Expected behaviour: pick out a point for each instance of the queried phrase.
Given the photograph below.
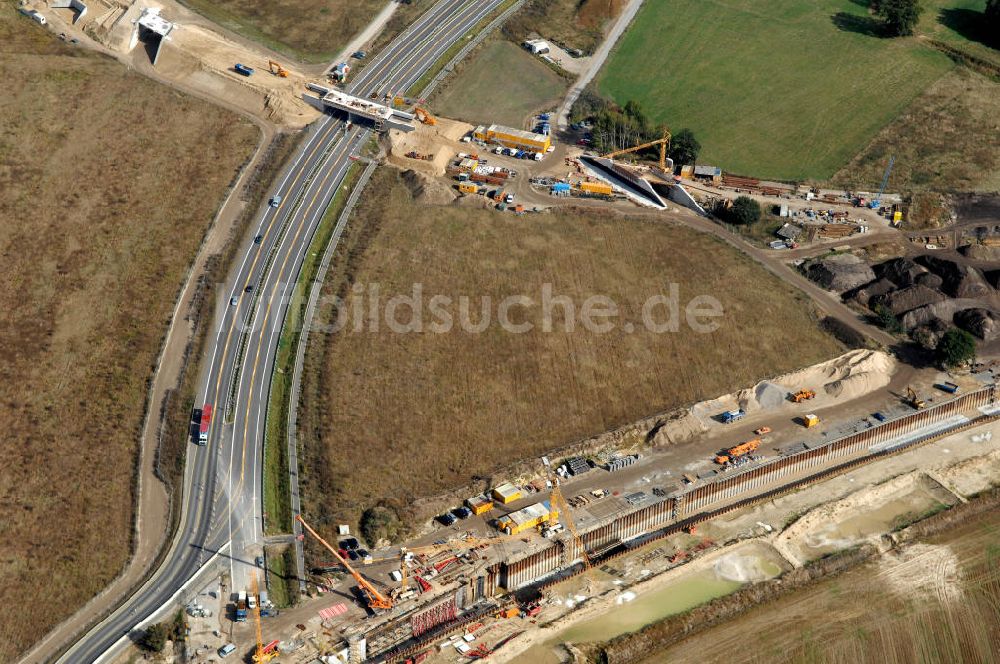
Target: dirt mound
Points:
(959, 280)
(907, 299)
(900, 271)
(866, 294)
(439, 143)
(839, 273)
(769, 395)
(978, 321)
(980, 252)
(427, 191)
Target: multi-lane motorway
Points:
(221, 512)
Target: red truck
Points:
(206, 422)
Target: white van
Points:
(227, 650)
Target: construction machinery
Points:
(913, 400)
(558, 503)
(663, 142)
(877, 201)
(277, 69)
(803, 395)
(810, 420)
(762, 431)
(424, 116)
(738, 451)
(263, 653)
(376, 600)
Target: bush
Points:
(378, 523)
(956, 347)
(887, 320)
(744, 211)
(899, 17)
(155, 637)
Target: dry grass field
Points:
(572, 23)
(474, 96)
(305, 29)
(947, 140)
(96, 245)
(390, 416)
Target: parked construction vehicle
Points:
(376, 600)
(277, 69)
(762, 431)
(913, 400)
(803, 395)
(738, 451)
(424, 116)
(810, 420)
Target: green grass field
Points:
(477, 95)
(785, 89)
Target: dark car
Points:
(879, 416)
(350, 543)
(258, 239)
(363, 554)
(447, 519)
(462, 512)
(359, 55)
(352, 554)
(249, 288)
(259, 561)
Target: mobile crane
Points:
(263, 653)
(376, 600)
(663, 142)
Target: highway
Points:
(221, 511)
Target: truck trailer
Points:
(206, 423)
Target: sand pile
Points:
(441, 142)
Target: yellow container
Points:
(810, 420)
(596, 187)
(468, 187)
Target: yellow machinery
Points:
(558, 504)
(277, 69)
(809, 421)
(912, 399)
(376, 600)
(262, 654)
(803, 395)
(663, 142)
(424, 116)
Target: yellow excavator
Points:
(913, 401)
(424, 116)
(277, 69)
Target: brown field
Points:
(305, 29)
(946, 140)
(390, 416)
(571, 23)
(858, 617)
(96, 245)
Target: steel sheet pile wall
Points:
(855, 445)
(434, 616)
(853, 449)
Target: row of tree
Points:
(620, 127)
(900, 17)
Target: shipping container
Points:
(479, 504)
(468, 187)
(506, 493)
(596, 188)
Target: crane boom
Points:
(663, 142)
(877, 201)
(376, 600)
(560, 506)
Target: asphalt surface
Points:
(221, 512)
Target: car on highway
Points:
(275, 200)
(234, 300)
(248, 289)
(258, 239)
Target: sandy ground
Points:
(197, 57)
(441, 141)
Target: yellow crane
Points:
(663, 142)
(262, 654)
(376, 600)
(559, 506)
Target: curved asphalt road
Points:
(222, 493)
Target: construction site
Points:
(605, 522)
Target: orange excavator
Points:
(803, 395)
(277, 69)
(734, 453)
(376, 600)
(424, 116)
